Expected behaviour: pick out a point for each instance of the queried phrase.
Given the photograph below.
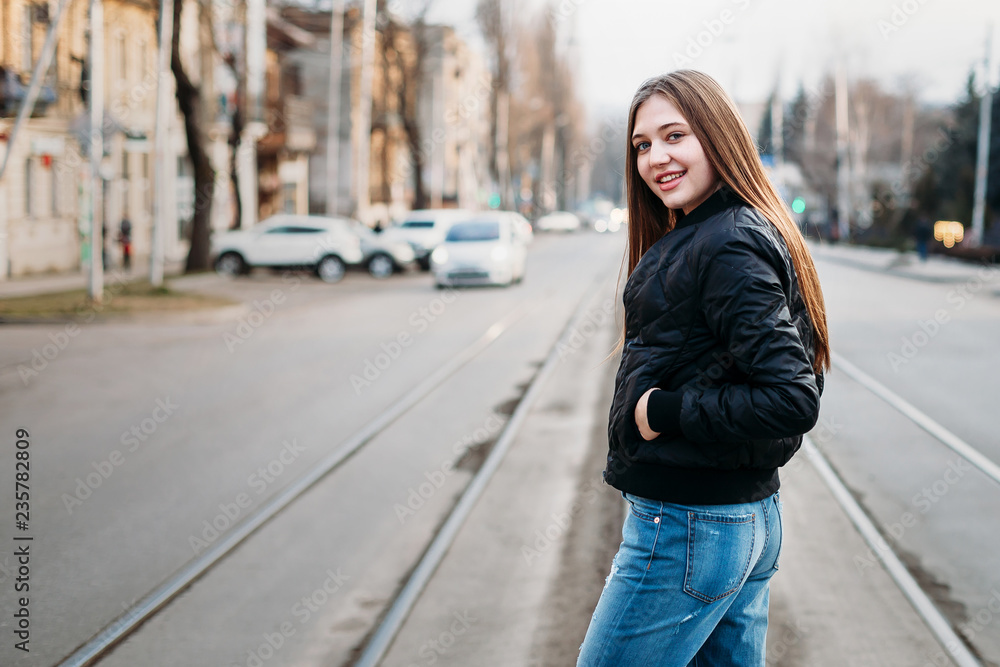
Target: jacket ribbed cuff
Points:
(663, 412)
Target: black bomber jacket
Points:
(715, 320)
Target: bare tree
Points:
(234, 61)
(497, 28)
(409, 74)
(194, 108)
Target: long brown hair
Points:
(730, 150)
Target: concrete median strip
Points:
(397, 615)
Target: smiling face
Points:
(670, 158)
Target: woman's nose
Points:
(659, 153)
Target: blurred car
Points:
(382, 255)
(424, 229)
(490, 249)
(323, 245)
(558, 221)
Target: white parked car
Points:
(382, 255)
(425, 229)
(558, 221)
(284, 241)
(490, 249)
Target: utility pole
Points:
(843, 168)
(982, 147)
(95, 287)
(777, 135)
(255, 43)
(364, 130)
(164, 97)
(333, 104)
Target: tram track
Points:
(147, 607)
(126, 624)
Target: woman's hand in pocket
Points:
(641, 418)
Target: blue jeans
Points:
(688, 587)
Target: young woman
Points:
(724, 347)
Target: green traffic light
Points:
(798, 205)
(494, 201)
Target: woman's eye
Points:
(674, 136)
(641, 146)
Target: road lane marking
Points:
(964, 449)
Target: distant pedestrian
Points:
(104, 245)
(922, 233)
(723, 352)
(125, 238)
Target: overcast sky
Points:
(745, 43)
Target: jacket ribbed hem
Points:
(691, 486)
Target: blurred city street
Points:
(309, 314)
(154, 437)
(244, 419)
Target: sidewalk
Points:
(63, 282)
(936, 269)
(519, 583)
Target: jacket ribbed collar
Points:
(718, 201)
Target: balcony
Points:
(13, 92)
(289, 125)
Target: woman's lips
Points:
(672, 183)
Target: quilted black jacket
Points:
(714, 318)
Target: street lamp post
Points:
(95, 287)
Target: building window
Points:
(126, 185)
(55, 183)
(28, 187)
(147, 185)
(122, 59)
(143, 60)
(27, 28)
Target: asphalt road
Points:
(150, 438)
(936, 346)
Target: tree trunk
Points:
(409, 101)
(190, 101)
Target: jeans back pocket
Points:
(720, 547)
